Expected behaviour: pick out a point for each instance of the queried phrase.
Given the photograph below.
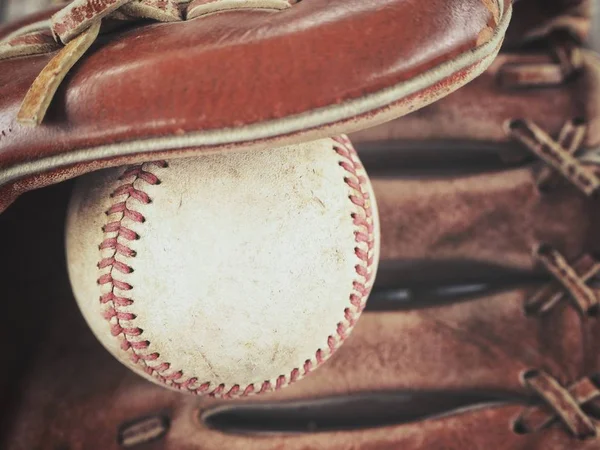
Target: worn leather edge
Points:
(364, 112)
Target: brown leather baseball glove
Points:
(482, 331)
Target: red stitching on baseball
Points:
(117, 237)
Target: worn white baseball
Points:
(225, 274)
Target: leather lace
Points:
(560, 403)
(74, 29)
(572, 280)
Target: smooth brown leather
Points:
(478, 116)
(235, 70)
(439, 358)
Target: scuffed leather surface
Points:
(478, 116)
(438, 359)
(426, 353)
(237, 69)
(445, 341)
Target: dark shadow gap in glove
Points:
(352, 412)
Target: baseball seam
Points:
(117, 298)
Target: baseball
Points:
(226, 274)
